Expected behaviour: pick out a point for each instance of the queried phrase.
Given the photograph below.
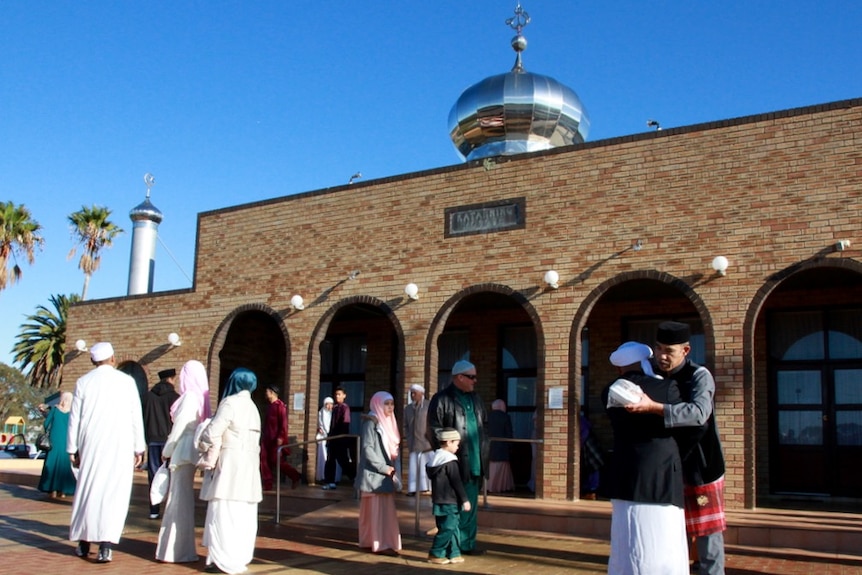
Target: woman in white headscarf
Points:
(324, 419)
(378, 477)
(177, 533)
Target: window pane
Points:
(351, 354)
(519, 348)
(848, 386)
(326, 357)
(800, 428)
(522, 424)
(451, 347)
(848, 430)
(521, 391)
(796, 335)
(845, 334)
(799, 388)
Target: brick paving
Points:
(317, 535)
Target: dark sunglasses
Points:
(472, 376)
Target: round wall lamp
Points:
(81, 345)
(174, 339)
(552, 278)
(412, 291)
(297, 303)
(719, 264)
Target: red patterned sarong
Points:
(704, 509)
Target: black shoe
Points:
(83, 549)
(212, 568)
(105, 555)
(474, 551)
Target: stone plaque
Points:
(486, 218)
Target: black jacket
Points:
(446, 411)
(446, 485)
(157, 411)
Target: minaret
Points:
(145, 219)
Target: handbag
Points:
(161, 481)
(43, 442)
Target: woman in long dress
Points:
(231, 443)
(377, 477)
(324, 419)
(177, 533)
(500, 477)
(57, 474)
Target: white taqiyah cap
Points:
(417, 387)
(101, 351)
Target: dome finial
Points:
(519, 43)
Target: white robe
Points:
(106, 429)
(647, 539)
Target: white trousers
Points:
(416, 472)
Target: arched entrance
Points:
(626, 308)
(254, 338)
(498, 330)
(808, 390)
(359, 346)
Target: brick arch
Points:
(432, 357)
(319, 333)
(578, 323)
(754, 310)
(442, 316)
(220, 335)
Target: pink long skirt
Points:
(500, 477)
(378, 522)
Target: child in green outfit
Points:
(449, 498)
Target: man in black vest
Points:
(648, 532)
(157, 423)
(703, 469)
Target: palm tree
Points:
(93, 231)
(41, 344)
(18, 237)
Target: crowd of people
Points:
(665, 478)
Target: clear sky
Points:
(229, 102)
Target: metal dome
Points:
(146, 211)
(516, 112)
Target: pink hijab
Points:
(387, 423)
(194, 382)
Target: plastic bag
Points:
(161, 482)
(624, 392)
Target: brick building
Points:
(631, 226)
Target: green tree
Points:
(41, 344)
(92, 231)
(19, 399)
(19, 238)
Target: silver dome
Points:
(146, 211)
(516, 112)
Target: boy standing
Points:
(449, 498)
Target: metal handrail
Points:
(298, 444)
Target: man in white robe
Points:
(106, 442)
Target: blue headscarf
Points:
(241, 379)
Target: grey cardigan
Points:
(373, 460)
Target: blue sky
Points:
(228, 102)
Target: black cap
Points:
(673, 332)
(166, 373)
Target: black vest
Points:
(705, 463)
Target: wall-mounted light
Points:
(81, 345)
(637, 245)
(297, 303)
(842, 245)
(353, 275)
(174, 339)
(412, 291)
(552, 278)
(719, 264)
